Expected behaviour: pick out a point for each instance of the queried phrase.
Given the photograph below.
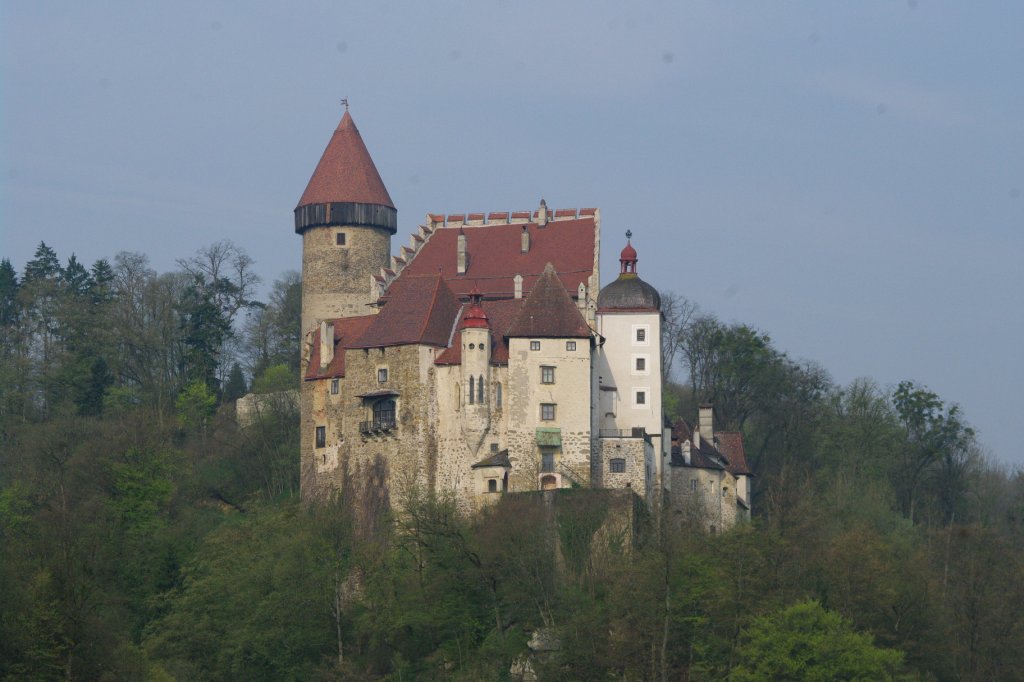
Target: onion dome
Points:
(628, 292)
(475, 317)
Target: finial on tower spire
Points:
(629, 234)
(344, 101)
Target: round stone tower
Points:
(346, 219)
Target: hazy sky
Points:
(847, 177)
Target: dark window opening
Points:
(472, 395)
(321, 436)
(617, 466)
(570, 345)
(480, 390)
(547, 375)
(547, 462)
(641, 335)
(492, 485)
(334, 387)
(382, 374)
(641, 398)
(641, 364)
(534, 345)
(340, 239)
(547, 411)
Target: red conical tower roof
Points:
(346, 173)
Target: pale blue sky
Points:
(845, 176)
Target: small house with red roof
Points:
(482, 358)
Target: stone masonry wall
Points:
(336, 280)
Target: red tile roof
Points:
(420, 310)
(549, 312)
(500, 314)
(345, 330)
(346, 173)
(730, 444)
(495, 257)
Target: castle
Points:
(486, 358)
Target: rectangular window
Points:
(547, 375)
(492, 485)
(321, 436)
(547, 411)
(534, 345)
(617, 465)
(641, 364)
(693, 485)
(570, 345)
(340, 237)
(641, 397)
(547, 462)
(382, 374)
(334, 387)
(641, 335)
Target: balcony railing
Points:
(376, 426)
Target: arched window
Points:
(497, 395)
(384, 413)
(480, 390)
(471, 386)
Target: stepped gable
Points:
(730, 444)
(500, 314)
(346, 329)
(346, 172)
(549, 312)
(420, 310)
(495, 256)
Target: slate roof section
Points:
(499, 459)
(549, 312)
(495, 256)
(500, 314)
(346, 173)
(346, 329)
(421, 310)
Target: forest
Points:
(145, 536)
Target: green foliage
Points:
(235, 387)
(195, 405)
(276, 378)
(808, 642)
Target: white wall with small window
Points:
(641, 364)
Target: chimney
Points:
(524, 241)
(518, 282)
(706, 422)
(686, 452)
(326, 344)
(581, 296)
(462, 252)
(542, 214)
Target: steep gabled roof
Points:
(549, 312)
(346, 173)
(495, 256)
(346, 329)
(421, 310)
(730, 444)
